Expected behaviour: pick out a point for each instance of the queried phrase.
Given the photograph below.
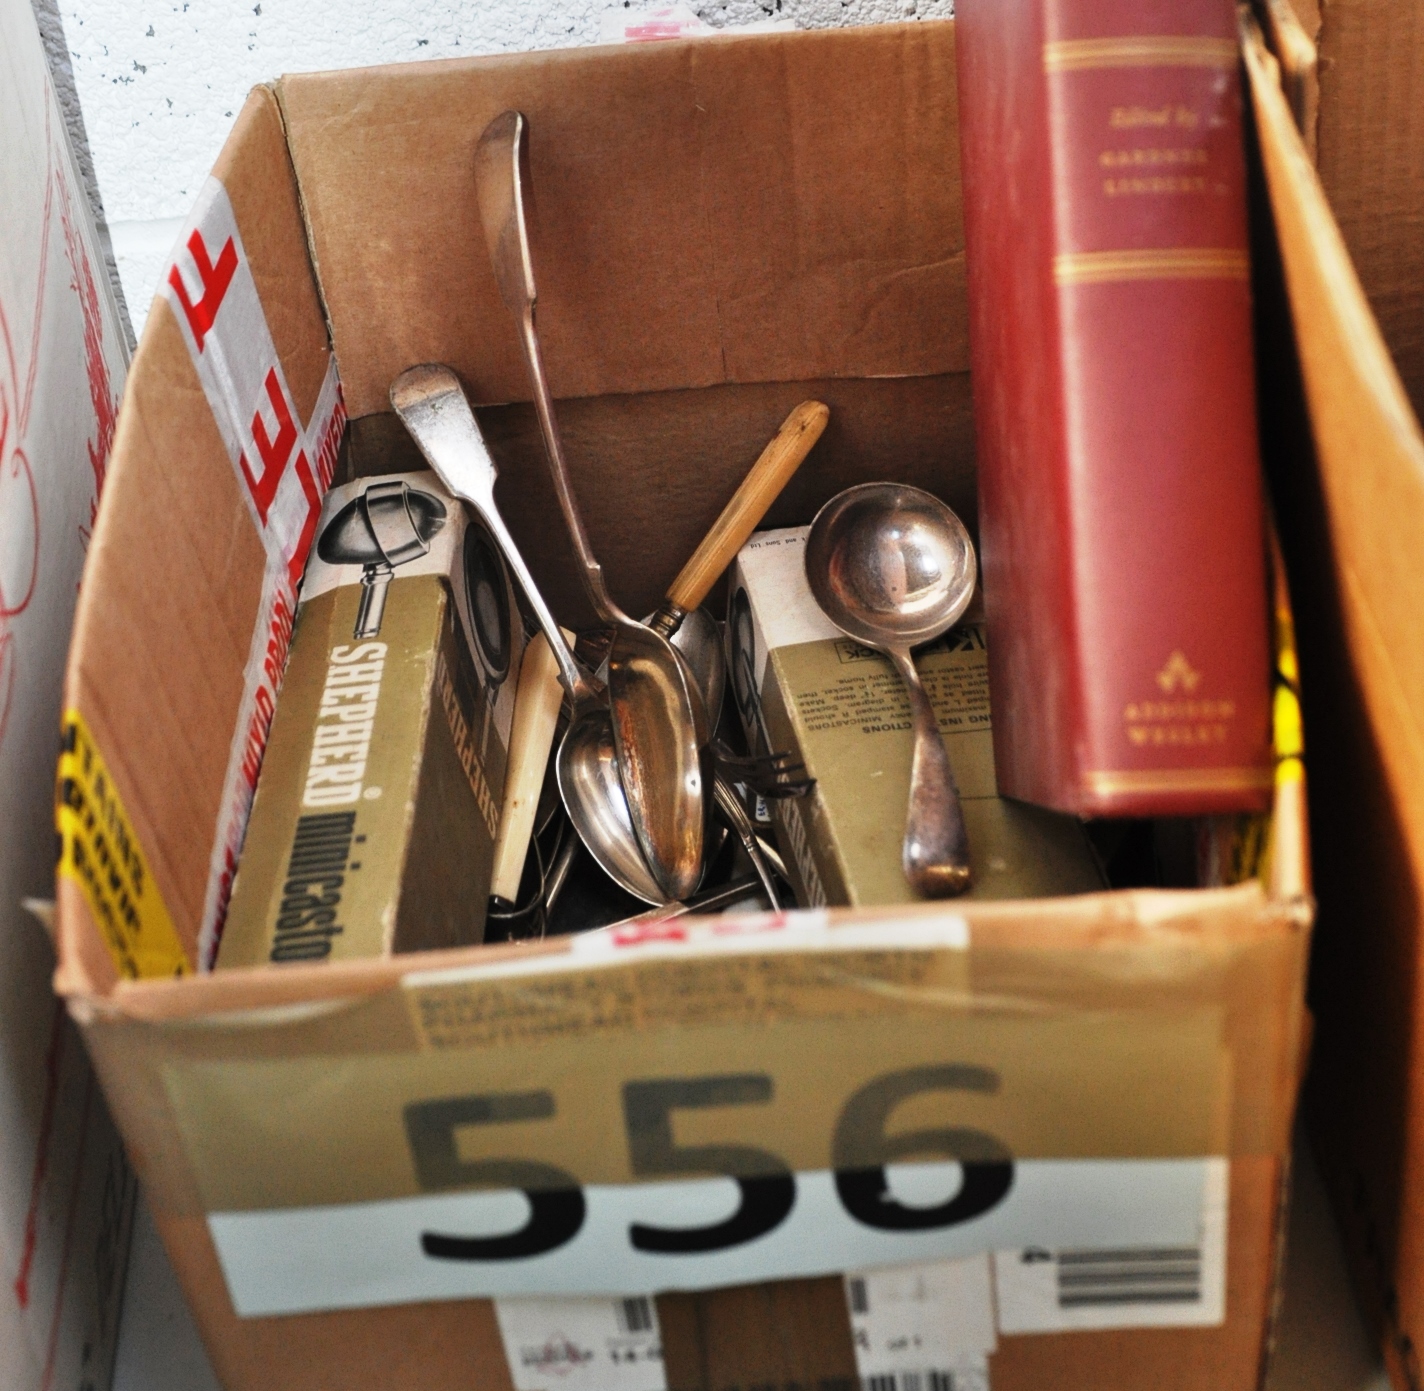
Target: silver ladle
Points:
(660, 726)
(432, 404)
(892, 567)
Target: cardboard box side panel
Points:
(171, 585)
(256, 170)
(784, 210)
(175, 570)
(1351, 505)
(1371, 161)
(652, 471)
(450, 1346)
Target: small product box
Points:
(803, 687)
(376, 814)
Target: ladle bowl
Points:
(892, 567)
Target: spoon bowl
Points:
(892, 567)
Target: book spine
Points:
(1110, 330)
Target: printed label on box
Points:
(695, 1234)
(1165, 1284)
(923, 1327)
(582, 1344)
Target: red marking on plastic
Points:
(215, 280)
(102, 396)
(636, 933)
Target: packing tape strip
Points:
(101, 854)
(284, 471)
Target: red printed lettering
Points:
(215, 280)
(274, 452)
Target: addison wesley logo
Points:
(1178, 675)
(557, 1356)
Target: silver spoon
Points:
(893, 567)
(659, 724)
(432, 404)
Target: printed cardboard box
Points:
(375, 819)
(66, 1192)
(725, 1135)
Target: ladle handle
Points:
(759, 489)
(936, 849)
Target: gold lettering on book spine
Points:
(1175, 263)
(1140, 51)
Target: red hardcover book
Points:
(1120, 502)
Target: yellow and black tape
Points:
(99, 852)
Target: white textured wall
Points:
(160, 80)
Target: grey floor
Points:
(1322, 1344)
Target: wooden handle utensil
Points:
(759, 489)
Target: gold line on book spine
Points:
(1144, 51)
(1177, 263)
(1179, 780)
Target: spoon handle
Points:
(936, 852)
(589, 569)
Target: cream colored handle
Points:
(536, 715)
(760, 488)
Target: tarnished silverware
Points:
(892, 567)
(432, 404)
(659, 724)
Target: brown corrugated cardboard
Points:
(1351, 488)
(720, 226)
(1368, 141)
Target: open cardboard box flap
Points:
(725, 227)
(1350, 501)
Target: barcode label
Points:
(1173, 1284)
(1162, 1275)
(933, 1379)
(922, 1327)
(582, 1344)
(634, 1315)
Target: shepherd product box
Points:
(66, 1190)
(376, 814)
(805, 688)
(934, 1117)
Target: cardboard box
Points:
(726, 228)
(66, 1192)
(1350, 487)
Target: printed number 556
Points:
(860, 1146)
